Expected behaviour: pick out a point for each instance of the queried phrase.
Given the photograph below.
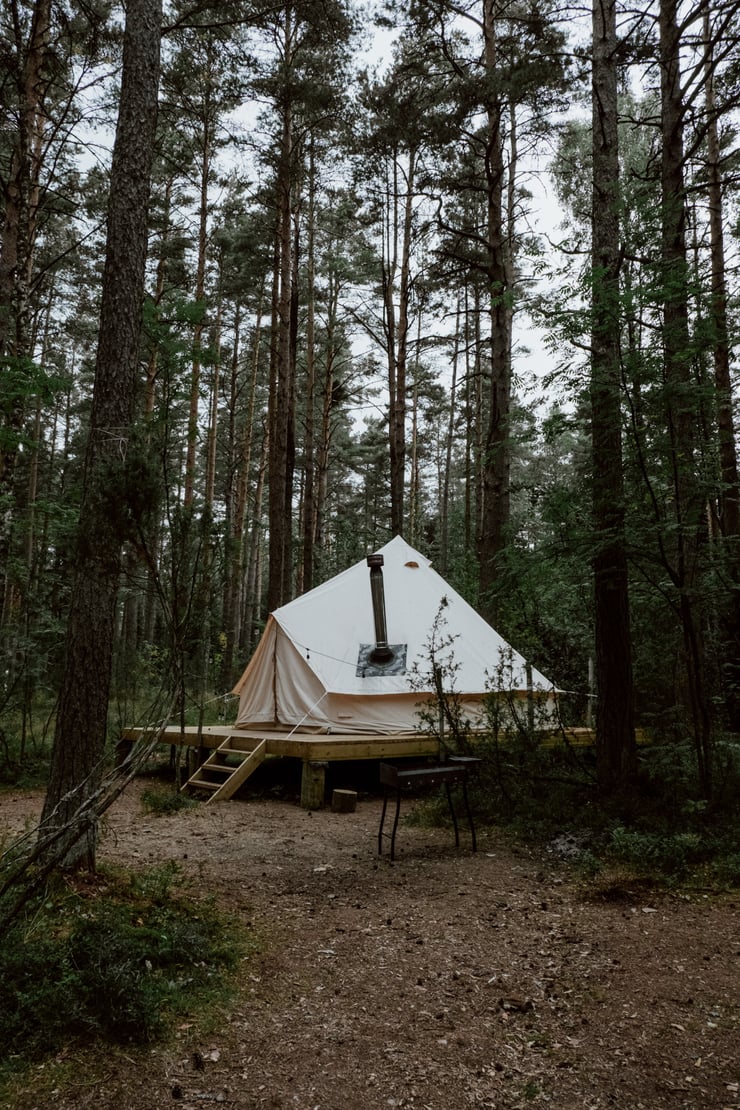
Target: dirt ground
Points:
(445, 981)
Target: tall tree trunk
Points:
(396, 281)
(323, 447)
(730, 489)
(471, 430)
(253, 587)
(414, 499)
(292, 372)
(281, 391)
(447, 476)
(200, 292)
(153, 543)
(20, 197)
(729, 494)
(398, 355)
(309, 462)
(150, 390)
(22, 187)
(212, 441)
(237, 541)
(497, 451)
(615, 729)
(478, 415)
(681, 400)
(110, 479)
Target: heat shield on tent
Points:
(368, 668)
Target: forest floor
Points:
(447, 980)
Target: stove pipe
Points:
(381, 653)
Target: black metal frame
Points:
(454, 772)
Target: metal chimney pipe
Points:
(381, 653)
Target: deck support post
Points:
(196, 756)
(313, 783)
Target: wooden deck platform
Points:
(315, 746)
(223, 756)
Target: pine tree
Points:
(113, 499)
(615, 728)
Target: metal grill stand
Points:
(452, 773)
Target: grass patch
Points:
(115, 960)
(163, 799)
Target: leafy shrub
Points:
(707, 854)
(163, 800)
(726, 869)
(668, 854)
(118, 966)
(128, 971)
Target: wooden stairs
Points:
(225, 769)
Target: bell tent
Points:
(325, 662)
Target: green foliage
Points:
(535, 790)
(32, 772)
(725, 868)
(535, 782)
(707, 855)
(518, 781)
(125, 496)
(25, 736)
(669, 854)
(163, 800)
(669, 782)
(22, 379)
(542, 609)
(443, 715)
(117, 963)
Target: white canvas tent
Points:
(311, 669)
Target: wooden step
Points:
(217, 765)
(236, 773)
(202, 784)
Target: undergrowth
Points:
(659, 831)
(115, 959)
(27, 731)
(163, 799)
(539, 780)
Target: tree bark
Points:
(281, 388)
(200, 284)
(414, 497)
(253, 587)
(20, 197)
(21, 190)
(309, 461)
(110, 481)
(616, 751)
(680, 394)
(728, 501)
(496, 448)
(449, 440)
(730, 490)
(324, 445)
(237, 516)
(398, 354)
